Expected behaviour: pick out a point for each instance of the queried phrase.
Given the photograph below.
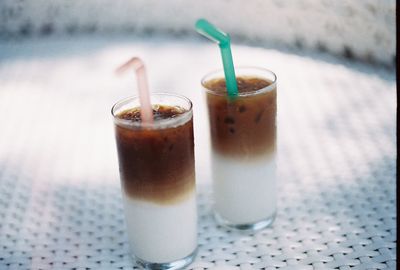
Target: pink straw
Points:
(146, 111)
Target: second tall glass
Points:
(243, 136)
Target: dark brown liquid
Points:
(159, 113)
(243, 127)
(156, 164)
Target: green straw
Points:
(224, 42)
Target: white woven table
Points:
(60, 202)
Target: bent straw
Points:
(224, 42)
(146, 111)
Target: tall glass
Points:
(156, 163)
(243, 136)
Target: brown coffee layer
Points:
(156, 164)
(243, 127)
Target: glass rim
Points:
(159, 124)
(246, 94)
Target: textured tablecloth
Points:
(60, 201)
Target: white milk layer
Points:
(161, 233)
(244, 191)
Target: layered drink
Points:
(243, 136)
(156, 162)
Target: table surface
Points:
(60, 201)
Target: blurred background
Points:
(355, 29)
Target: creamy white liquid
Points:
(161, 233)
(244, 192)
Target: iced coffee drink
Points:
(243, 137)
(156, 162)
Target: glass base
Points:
(178, 264)
(262, 224)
